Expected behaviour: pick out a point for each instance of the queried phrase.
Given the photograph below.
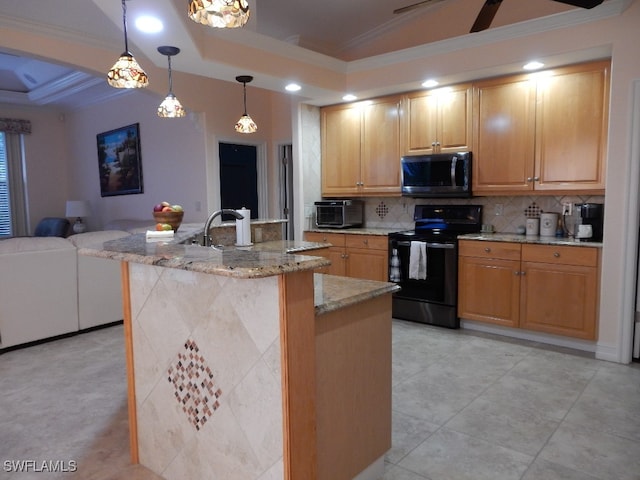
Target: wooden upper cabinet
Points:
(571, 126)
(437, 121)
(542, 132)
(380, 159)
(504, 135)
(341, 128)
(361, 148)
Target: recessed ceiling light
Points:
(533, 65)
(430, 83)
(293, 87)
(349, 97)
(148, 24)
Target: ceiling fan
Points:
(490, 7)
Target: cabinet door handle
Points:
(556, 254)
(487, 249)
(366, 241)
(536, 179)
(529, 179)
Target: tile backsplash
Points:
(506, 214)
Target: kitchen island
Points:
(228, 353)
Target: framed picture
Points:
(119, 161)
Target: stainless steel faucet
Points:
(206, 241)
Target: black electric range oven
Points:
(424, 262)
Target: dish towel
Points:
(418, 261)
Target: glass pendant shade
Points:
(219, 13)
(170, 106)
(126, 72)
(246, 123)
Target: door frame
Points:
(285, 188)
(631, 330)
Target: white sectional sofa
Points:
(47, 289)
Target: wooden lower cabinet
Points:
(546, 288)
(354, 255)
(489, 284)
(560, 288)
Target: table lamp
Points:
(78, 209)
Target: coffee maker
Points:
(593, 214)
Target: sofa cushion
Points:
(29, 244)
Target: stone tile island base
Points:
(236, 378)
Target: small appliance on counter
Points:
(548, 224)
(591, 214)
(339, 213)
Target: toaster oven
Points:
(339, 213)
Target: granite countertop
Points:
(517, 238)
(260, 260)
(357, 231)
(333, 292)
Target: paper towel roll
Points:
(243, 228)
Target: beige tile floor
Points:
(465, 406)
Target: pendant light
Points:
(126, 73)
(170, 106)
(219, 13)
(246, 123)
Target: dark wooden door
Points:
(238, 178)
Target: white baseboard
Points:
(609, 353)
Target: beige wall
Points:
(179, 156)
(47, 166)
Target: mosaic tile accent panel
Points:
(382, 210)
(532, 211)
(194, 387)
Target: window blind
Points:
(5, 208)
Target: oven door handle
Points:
(429, 244)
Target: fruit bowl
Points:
(172, 218)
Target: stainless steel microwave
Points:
(440, 175)
(339, 213)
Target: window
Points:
(5, 208)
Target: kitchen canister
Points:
(243, 228)
(548, 224)
(533, 226)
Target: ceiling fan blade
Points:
(414, 6)
(485, 17)
(581, 3)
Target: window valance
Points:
(10, 125)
